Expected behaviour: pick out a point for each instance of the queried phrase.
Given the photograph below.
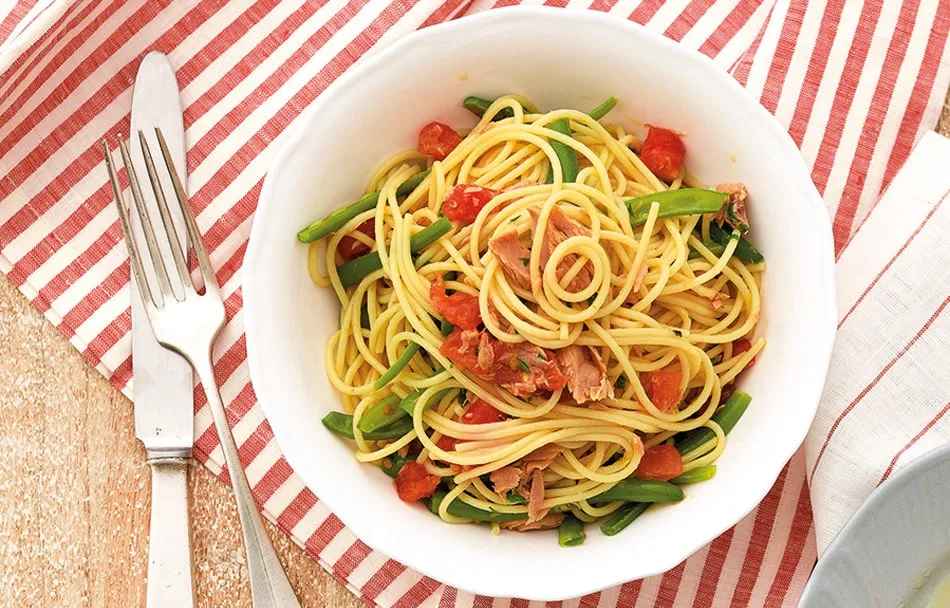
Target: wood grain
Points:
(74, 487)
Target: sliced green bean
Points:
(364, 317)
(339, 217)
(571, 532)
(604, 108)
(355, 270)
(478, 106)
(397, 366)
(342, 425)
(623, 517)
(726, 417)
(685, 201)
(714, 247)
(461, 509)
(445, 328)
(640, 490)
(745, 250)
(566, 156)
(391, 465)
(381, 414)
(695, 475)
(408, 405)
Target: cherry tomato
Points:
(660, 463)
(740, 347)
(481, 412)
(663, 388)
(437, 139)
(663, 153)
(465, 201)
(462, 354)
(414, 483)
(459, 309)
(350, 247)
(447, 443)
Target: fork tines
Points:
(165, 289)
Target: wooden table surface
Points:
(74, 487)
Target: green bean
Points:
(603, 109)
(745, 251)
(342, 425)
(478, 106)
(640, 490)
(355, 270)
(565, 154)
(623, 517)
(339, 217)
(513, 498)
(714, 247)
(685, 201)
(445, 328)
(381, 414)
(397, 366)
(408, 405)
(726, 417)
(391, 465)
(695, 475)
(364, 317)
(571, 532)
(462, 509)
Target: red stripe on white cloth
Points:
(923, 431)
(12, 19)
(50, 209)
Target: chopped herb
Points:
(524, 261)
(463, 396)
(717, 359)
(522, 364)
(678, 332)
(591, 299)
(514, 218)
(621, 382)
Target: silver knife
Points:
(162, 384)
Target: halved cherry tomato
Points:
(660, 463)
(459, 309)
(414, 483)
(350, 247)
(465, 201)
(663, 153)
(663, 388)
(481, 412)
(447, 443)
(740, 347)
(459, 351)
(437, 139)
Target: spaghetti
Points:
(539, 318)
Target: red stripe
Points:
(784, 50)
(39, 46)
(556, 3)
(669, 587)
(816, 69)
(603, 5)
(351, 559)
(712, 570)
(758, 543)
(740, 70)
(482, 601)
(588, 601)
(445, 11)
(647, 9)
(63, 57)
(382, 579)
(273, 479)
(873, 383)
(104, 94)
(9, 23)
(685, 21)
(122, 374)
(418, 593)
(887, 81)
(844, 94)
(325, 532)
(794, 549)
(449, 597)
(923, 88)
(933, 421)
(891, 261)
(727, 30)
(629, 593)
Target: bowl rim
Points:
(822, 337)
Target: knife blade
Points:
(162, 385)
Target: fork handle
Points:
(170, 572)
(269, 585)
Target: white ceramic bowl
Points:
(558, 59)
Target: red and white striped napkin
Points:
(856, 82)
(887, 396)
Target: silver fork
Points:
(188, 322)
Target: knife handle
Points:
(170, 566)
